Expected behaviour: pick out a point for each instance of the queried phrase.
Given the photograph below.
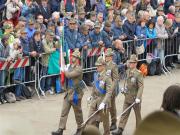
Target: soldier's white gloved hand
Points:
(137, 100)
(123, 90)
(67, 67)
(101, 106)
(101, 83)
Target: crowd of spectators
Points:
(33, 27)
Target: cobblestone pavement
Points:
(40, 117)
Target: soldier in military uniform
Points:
(73, 95)
(133, 94)
(112, 70)
(101, 96)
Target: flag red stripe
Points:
(17, 63)
(25, 62)
(1, 64)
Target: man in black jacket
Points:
(129, 29)
(167, 4)
(129, 26)
(2, 8)
(45, 10)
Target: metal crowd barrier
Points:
(152, 49)
(26, 76)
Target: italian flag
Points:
(62, 62)
(65, 57)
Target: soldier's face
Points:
(100, 68)
(132, 65)
(108, 58)
(74, 59)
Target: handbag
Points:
(140, 49)
(149, 57)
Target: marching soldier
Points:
(112, 70)
(101, 96)
(73, 95)
(133, 94)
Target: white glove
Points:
(67, 67)
(123, 90)
(101, 106)
(101, 83)
(137, 100)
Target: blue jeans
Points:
(45, 82)
(2, 79)
(159, 53)
(19, 75)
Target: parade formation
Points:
(103, 96)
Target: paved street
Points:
(40, 117)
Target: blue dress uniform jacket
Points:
(117, 31)
(129, 29)
(102, 36)
(71, 37)
(83, 40)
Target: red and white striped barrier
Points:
(95, 51)
(21, 62)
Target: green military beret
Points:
(92, 13)
(160, 8)
(109, 52)
(107, 24)
(82, 12)
(49, 32)
(159, 123)
(168, 22)
(31, 21)
(100, 61)
(7, 26)
(97, 25)
(72, 20)
(133, 59)
(76, 54)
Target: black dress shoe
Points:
(118, 131)
(113, 126)
(58, 132)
